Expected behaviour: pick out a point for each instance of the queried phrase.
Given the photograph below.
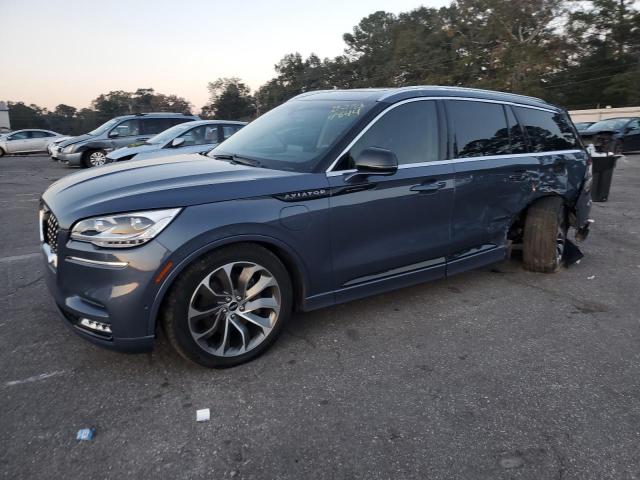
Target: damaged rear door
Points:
(493, 180)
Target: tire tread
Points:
(539, 240)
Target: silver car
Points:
(26, 141)
(54, 146)
(192, 137)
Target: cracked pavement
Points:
(492, 374)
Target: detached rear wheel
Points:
(545, 235)
(95, 158)
(228, 307)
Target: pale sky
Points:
(55, 51)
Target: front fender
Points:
(303, 238)
(178, 268)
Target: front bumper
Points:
(73, 159)
(115, 289)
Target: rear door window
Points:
(178, 121)
(153, 126)
(546, 131)
(480, 128)
(40, 134)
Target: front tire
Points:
(545, 235)
(229, 306)
(1, 152)
(94, 158)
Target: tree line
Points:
(575, 53)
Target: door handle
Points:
(430, 186)
(518, 176)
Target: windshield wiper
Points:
(238, 159)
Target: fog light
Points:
(96, 326)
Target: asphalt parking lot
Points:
(492, 374)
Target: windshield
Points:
(104, 127)
(582, 124)
(170, 133)
(294, 135)
(610, 124)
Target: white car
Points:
(54, 146)
(26, 141)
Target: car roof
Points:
(158, 115)
(32, 130)
(216, 122)
(617, 118)
(392, 95)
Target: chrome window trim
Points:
(437, 162)
(337, 173)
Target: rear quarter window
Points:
(546, 131)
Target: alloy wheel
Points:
(234, 308)
(97, 158)
(561, 238)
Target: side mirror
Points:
(114, 133)
(176, 142)
(376, 161)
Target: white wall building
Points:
(596, 114)
(4, 118)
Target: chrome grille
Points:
(50, 229)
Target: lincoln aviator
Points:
(332, 196)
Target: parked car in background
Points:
(617, 135)
(581, 126)
(26, 141)
(91, 149)
(54, 146)
(332, 196)
(193, 137)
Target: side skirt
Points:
(453, 265)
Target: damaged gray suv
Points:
(333, 196)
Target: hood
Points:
(177, 181)
(59, 140)
(126, 151)
(73, 140)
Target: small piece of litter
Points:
(85, 434)
(591, 277)
(202, 415)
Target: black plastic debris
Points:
(572, 254)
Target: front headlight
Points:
(123, 230)
(69, 149)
